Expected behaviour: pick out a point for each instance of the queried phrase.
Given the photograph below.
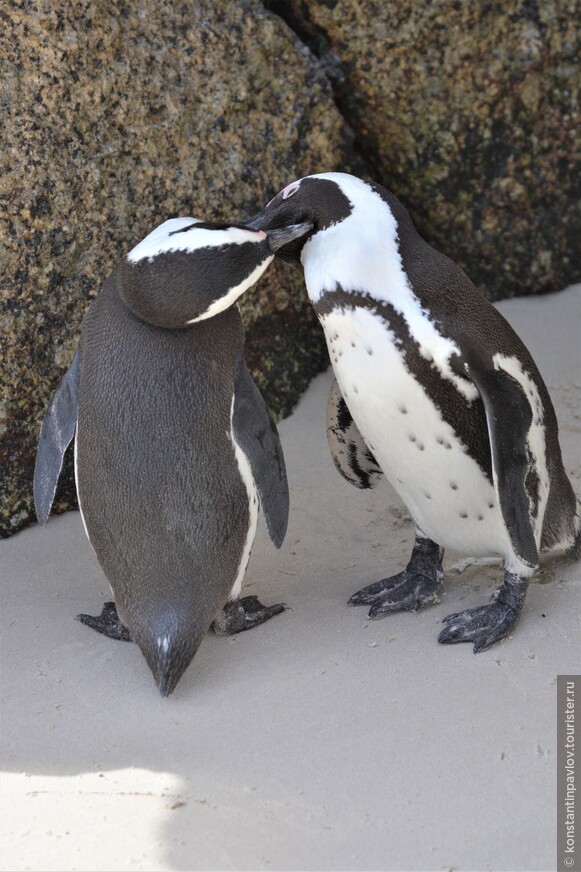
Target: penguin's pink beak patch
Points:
(290, 190)
(286, 192)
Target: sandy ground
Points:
(320, 740)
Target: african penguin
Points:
(436, 390)
(174, 444)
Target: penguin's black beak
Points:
(256, 222)
(283, 235)
(286, 239)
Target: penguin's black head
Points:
(315, 200)
(168, 637)
(187, 270)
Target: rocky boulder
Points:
(469, 113)
(116, 116)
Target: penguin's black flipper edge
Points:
(57, 431)
(509, 417)
(351, 454)
(256, 434)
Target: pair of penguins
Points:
(175, 447)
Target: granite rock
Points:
(468, 112)
(115, 116)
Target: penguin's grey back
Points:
(159, 485)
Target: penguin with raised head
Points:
(435, 390)
(174, 444)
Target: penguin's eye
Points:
(290, 190)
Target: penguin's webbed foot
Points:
(485, 625)
(243, 614)
(410, 590)
(108, 623)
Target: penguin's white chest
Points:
(445, 490)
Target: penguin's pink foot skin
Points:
(410, 590)
(243, 614)
(108, 623)
(485, 625)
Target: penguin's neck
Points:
(356, 265)
(360, 254)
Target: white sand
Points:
(317, 741)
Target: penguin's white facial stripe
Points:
(536, 438)
(362, 253)
(354, 252)
(223, 303)
(171, 236)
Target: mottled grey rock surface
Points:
(115, 117)
(469, 112)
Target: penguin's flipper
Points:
(349, 451)
(509, 417)
(256, 434)
(58, 428)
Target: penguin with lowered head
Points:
(174, 445)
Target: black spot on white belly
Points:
(467, 418)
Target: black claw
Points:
(450, 618)
(367, 595)
(108, 623)
(410, 590)
(483, 644)
(244, 614)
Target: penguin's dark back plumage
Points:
(158, 479)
